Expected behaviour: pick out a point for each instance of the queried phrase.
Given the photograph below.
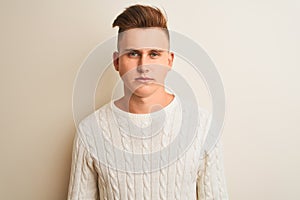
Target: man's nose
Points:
(143, 66)
(142, 69)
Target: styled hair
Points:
(141, 16)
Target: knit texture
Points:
(104, 166)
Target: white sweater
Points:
(109, 167)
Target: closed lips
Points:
(144, 78)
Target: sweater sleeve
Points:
(83, 178)
(211, 183)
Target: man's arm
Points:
(211, 184)
(83, 178)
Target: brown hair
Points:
(141, 16)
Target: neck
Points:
(141, 105)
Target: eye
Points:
(132, 54)
(154, 54)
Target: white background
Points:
(254, 44)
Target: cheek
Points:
(161, 67)
(125, 66)
(127, 70)
(164, 62)
(159, 73)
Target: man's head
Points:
(143, 58)
(140, 16)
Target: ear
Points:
(116, 60)
(170, 59)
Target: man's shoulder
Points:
(92, 119)
(89, 129)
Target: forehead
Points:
(139, 38)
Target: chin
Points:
(145, 90)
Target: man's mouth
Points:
(144, 79)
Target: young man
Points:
(122, 150)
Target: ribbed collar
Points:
(167, 109)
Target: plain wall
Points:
(254, 44)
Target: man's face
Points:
(143, 59)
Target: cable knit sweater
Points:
(105, 168)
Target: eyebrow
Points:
(137, 50)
